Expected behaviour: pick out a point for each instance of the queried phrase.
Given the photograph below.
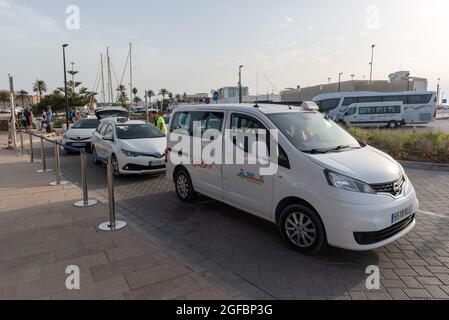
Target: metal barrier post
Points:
(21, 141)
(58, 181)
(43, 158)
(86, 202)
(31, 149)
(112, 225)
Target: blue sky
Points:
(194, 46)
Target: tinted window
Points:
(247, 125)
(348, 101)
(328, 105)
(417, 99)
(103, 128)
(370, 99)
(86, 124)
(138, 131)
(351, 111)
(367, 110)
(181, 121)
(209, 120)
(283, 158)
(393, 109)
(395, 98)
(108, 130)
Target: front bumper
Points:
(140, 165)
(345, 222)
(83, 144)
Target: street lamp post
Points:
(371, 66)
(240, 84)
(65, 88)
(339, 81)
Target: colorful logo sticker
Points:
(203, 166)
(250, 177)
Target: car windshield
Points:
(86, 124)
(313, 133)
(138, 131)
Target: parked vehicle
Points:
(328, 189)
(79, 134)
(111, 112)
(383, 114)
(419, 107)
(135, 147)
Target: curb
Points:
(425, 166)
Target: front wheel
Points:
(184, 186)
(115, 166)
(302, 229)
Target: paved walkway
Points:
(41, 233)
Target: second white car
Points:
(135, 147)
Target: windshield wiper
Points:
(323, 151)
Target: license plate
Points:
(401, 215)
(157, 163)
(79, 144)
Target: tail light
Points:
(166, 155)
(435, 113)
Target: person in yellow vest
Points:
(159, 122)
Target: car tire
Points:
(392, 125)
(94, 153)
(184, 187)
(115, 166)
(302, 229)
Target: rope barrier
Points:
(88, 155)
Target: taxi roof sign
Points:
(310, 106)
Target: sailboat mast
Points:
(102, 80)
(131, 73)
(110, 92)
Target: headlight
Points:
(342, 182)
(130, 153)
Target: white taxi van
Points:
(328, 188)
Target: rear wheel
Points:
(184, 186)
(392, 125)
(302, 229)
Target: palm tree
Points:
(178, 98)
(22, 94)
(4, 97)
(163, 93)
(122, 97)
(150, 94)
(137, 99)
(40, 87)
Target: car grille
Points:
(367, 238)
(394, 188)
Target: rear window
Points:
(111, 114)
(86, 124)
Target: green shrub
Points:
(407, 145)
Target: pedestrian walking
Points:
(49, 118)
(10, 134)
(43, 121)
(28, 117)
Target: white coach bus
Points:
(419, 107)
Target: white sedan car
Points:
(79, 135)
(135, 147)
